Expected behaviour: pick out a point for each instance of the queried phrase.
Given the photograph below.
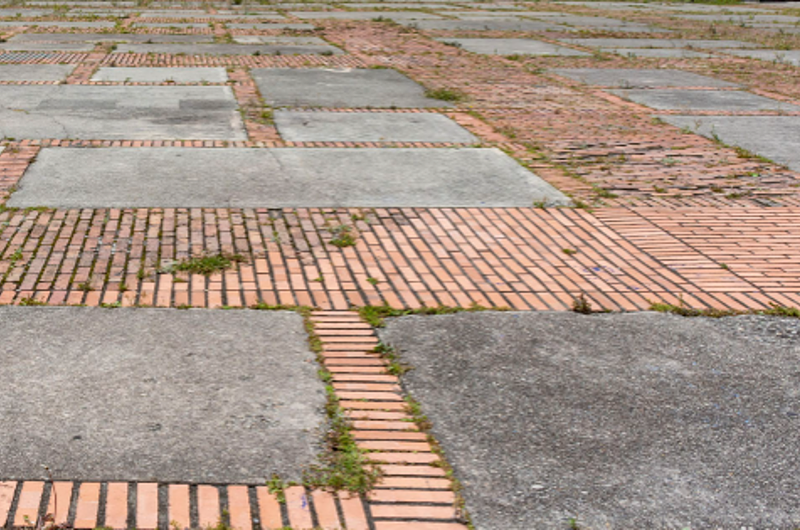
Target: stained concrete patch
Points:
(160, 75)
(622, 421)
(157, 395)
(659, 43)
(779, 56)
(513, 46)
(120, 112)
(298, 126)
(773, 137)
(229, 49)
(721, 100)
(658, 53)
(357, 88)
(631, 78)
(46, 47)
(35, 72)
(489, 24)
(277, 178)
(106, 37)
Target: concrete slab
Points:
(106, 37)
(635, 78)
(357, 88)
(278, 178)
(279, 39)
(778, 56)
(299, 126)
(230, 49)
(774, 137)
(621, 421)
(64, 24)
(176, 25)
(489, 24)
(660, 43)
(120, 112)
(658, 53)
(35, 72)
(720, 100)
(46, 46)
(514, 46)
(157, 395)
(366, 15)
(276, 26)
(160, 75)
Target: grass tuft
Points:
(206, 265)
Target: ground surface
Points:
(504, 154)
(640, 420)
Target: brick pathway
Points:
(668, 216)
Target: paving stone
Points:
(46, 47)
(489, 24)
(157, 395)
(299, 126)
(272, 26)
(779, 56)
(120, 112)
(774, 137)
(513, 46)
(106, 37)
(279, 39)
(159, 75)
(35, 72)
(229, 49)
(366, 15)
(659, 43)
(720, 100)
(277, 178)
(60, 24)
(665, 53)
(621, 421)
(631, 78)
(340, 88)
(176, 25)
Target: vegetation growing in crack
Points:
(375, 315)
(205, 265)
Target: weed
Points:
(28, 301)
(206, 265)
(569, 251)
(774, 310)
(446, 94)
(111, 305)
(582, 305)
(375, 315)
(373, 281)
(85, 286)
(394, 366)
(277, 487)
(343, 237)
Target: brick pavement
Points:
(670, 217)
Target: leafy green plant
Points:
(206, 265)
(452, 95)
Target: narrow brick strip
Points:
(7, 490)
(88, 504)
(30, 499)
(116, 505)
(178, 506)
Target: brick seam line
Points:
(669, 236)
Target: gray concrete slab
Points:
(277, 178)
(488, 24)
(279, 39)
(778, 56)
(316, 87)
(46, 46)
(299, 126)
(718, 100)
(160, 75)
(658, 53)
(107, 37)
(120, 112)
(513, 46)
(366, 15)
(276, 26)
(621, 421)
(97, 24)
(635, 78)
(176, 25)
(35, 72)
(659, 43)
(157, 395)
(229, 49)
(774, 137)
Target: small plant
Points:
(373, 281)
(342, 236)
(85, 286)
(277, 487)
(206, 265)
(28, 301)
(582, 305)
(446, 94)
(569, 251)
